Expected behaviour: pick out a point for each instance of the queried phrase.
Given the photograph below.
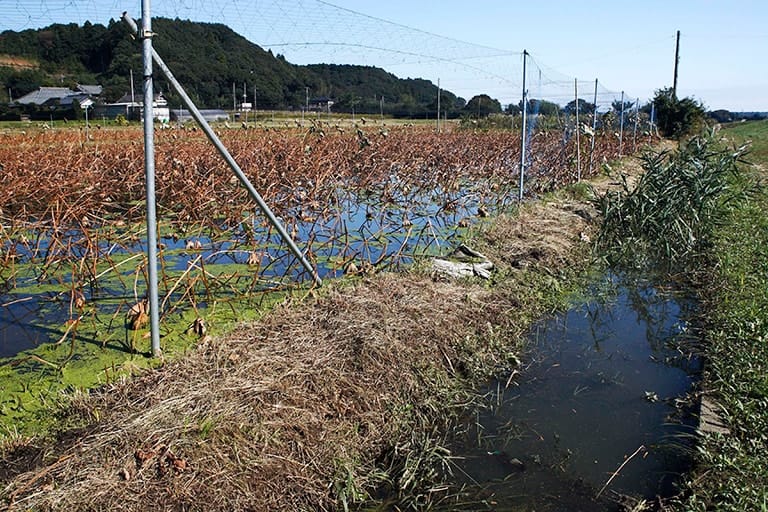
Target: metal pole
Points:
(594, 132)
(149, 170)
(438, 105)
(228, 158)
(524, 129)
(634, 131)
(578, 140)
(621, 123)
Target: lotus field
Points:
(357, 199)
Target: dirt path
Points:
(323, 402)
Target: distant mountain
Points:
(207, 58)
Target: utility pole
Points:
(677, 61)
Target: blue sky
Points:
(628, 46)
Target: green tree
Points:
(617, 106)
(721, 116)
(585, 107)
(677, 117)
(482, 105)
(513, 109)
(542, 107)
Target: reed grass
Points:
(669, 215)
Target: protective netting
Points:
(314, 31)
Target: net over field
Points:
(314, 31)
(357, 197)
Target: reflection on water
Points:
(384, 232)
(606, 386)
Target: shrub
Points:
(677, 118)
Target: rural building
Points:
(181, 115)
(321, 104)
(60, 96)
(131, 106)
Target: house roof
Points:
(91, 90)
(48, 94)
(44, 94)
(126, 98)
(71, 98)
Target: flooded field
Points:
(601, 413)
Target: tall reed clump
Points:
(668, 216)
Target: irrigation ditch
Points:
(363, 394)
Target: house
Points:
(60, 96)
(181, 115)
(321, 104)
(44, 95)
(131, 106)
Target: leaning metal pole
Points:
(229, 159)
(524, 129)
(149, 170)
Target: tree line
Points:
(208, 58)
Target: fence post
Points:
(228, 158)
(524, 130)
(438, 105)
(578, 140)
(621, 124)
(149, 171)
(634, 131)
(594, 132)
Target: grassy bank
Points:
(732, 467)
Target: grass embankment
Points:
(733, 468)
(336, 401)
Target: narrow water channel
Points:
(600, 412)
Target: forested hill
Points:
(207, 59)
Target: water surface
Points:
(607, 384)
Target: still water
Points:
(606, 388)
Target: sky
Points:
(628, 46)
(476, 47)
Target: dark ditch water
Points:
(607, 386)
